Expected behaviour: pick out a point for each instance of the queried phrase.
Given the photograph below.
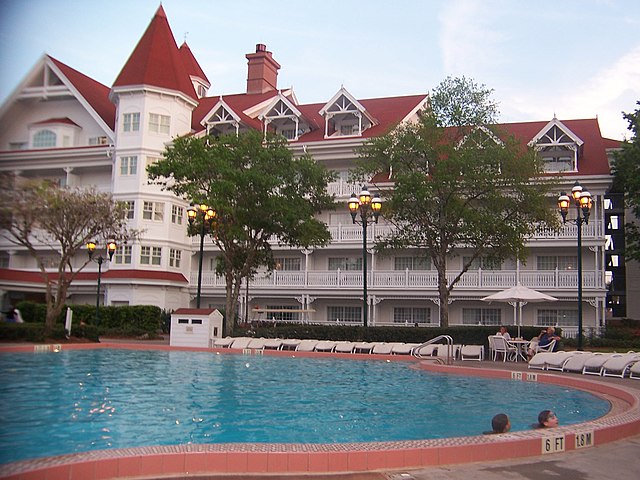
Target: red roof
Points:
(65, 120)
(194, 311)
(191, 65)
(95, 93)
(156, 60)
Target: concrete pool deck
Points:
(609, 444)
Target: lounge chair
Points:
(223, 342)
(363, 347)
(634, 371)
(290, 344)
(403, 348)
(501, 347)
(256, 343)
(240, 343)
(382, 348)
(306, 345)
(593, 366)
(344, 347)
(272, 344)
(325, 346)
(472, 352)
(430, 350)
(619, 366)
(575, 364)
(550, 360)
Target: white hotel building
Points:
(64, 126)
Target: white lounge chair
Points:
(363, 347)
(344, 347)
(403, 348)
(576, 363)
(619, 366)
(306, 345)
(593, 365)
(634, 371)
(272, 344)
(223, 342)
(472, 352)
(240, 343)
(550, 360)
(382, 348)
(325, 346)
(290, 344)
(256, 343)
(426, 351)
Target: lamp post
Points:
(111, 249)
(582, 201)
(206, 215)
(369, 209)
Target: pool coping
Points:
(623, 420)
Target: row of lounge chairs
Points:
(590, 363)
(464, 352)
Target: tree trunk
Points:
(443, 295)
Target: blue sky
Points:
(571, 58)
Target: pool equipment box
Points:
(195, 327)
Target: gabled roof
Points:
(156, 61)
(52, 121)
(238, 103)
(332, 104)
(95, 93)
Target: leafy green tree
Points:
(626, 169)
(51, 222)
(457, 184)
(259, 192)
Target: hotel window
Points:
(159, 123)
(481, 316)
(553, 317)
(282, 316)
(153, 211)
(177, 214)
(131, 209)
(344, 314)
(561, 262)
(150, 255)
(131, 122)
(411, 315)
(98, 141)
(123, 255)
(345, 263)
(174, 258)
(44, 139)
(411, 263)
(482, 263)
(287, 264)
(129, 165)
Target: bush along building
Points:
(63, 126)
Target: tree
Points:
(51, 222)
(626, 170)
(456, 182)
(258, 190)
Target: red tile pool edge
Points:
(623, 421)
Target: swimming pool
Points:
(74, 401)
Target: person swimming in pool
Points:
(500, 423)
(547, 419)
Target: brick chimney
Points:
(262, 75)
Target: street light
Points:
(582, 201)
(207, 215)
(369, 209)
(111, 249)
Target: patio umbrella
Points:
(520, 294)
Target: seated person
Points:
(503, 332)
(547, 419)
(546, 336)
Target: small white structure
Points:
(195, 327)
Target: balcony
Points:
(413, 280)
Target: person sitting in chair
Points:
(504, 333)
(546, 336)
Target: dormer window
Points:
(53, 133)
(283, 118)
(44, 139)
(345, 116)
(221, 120)
(558, 147)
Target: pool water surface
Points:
(74, 401)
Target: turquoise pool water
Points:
(72, 401)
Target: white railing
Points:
(413, 279)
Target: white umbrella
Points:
(519, 294)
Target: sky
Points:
(568, 58)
